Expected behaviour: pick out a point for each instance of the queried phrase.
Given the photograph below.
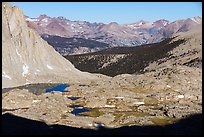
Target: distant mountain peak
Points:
(61, 18)
(197, 19)
(161, 22)
(113, 23)
(43, 16)
(142, 22)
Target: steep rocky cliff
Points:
(27, 58)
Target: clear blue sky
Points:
(106, 12)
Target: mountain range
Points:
(111, 35)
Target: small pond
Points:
(38, 88)
(60, 87)
(73, 98)
(79, 109)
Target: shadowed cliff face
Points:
(27, 58)
(14, 125)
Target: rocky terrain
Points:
(154, 98)
(168, 90)
(112, 34)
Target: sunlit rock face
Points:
(27, 58)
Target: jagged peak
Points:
(163, 20)
(113, 23)
(43, 16)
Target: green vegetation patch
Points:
(150, 101)
(93, 113)
(79, 103)
(162, 121)
(63, 116)
(130, 113)
(117, 115)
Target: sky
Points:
(106, 12)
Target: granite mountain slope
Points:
(27, 58)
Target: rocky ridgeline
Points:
(112, 34)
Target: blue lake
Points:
(73, 98)
(78, 109)
(59, 88)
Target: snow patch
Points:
(193, 19)
(180, 96)
(168, 86)
(27, 83)
(25, 69)
(119, 97)
(6, 76)
(110, 106)
(49, 67)
(141, 23)
(90, 125)
(165, 23)
(72, 26)
(35, 101)
(45, 20)
(139, 103)
(32, 20)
